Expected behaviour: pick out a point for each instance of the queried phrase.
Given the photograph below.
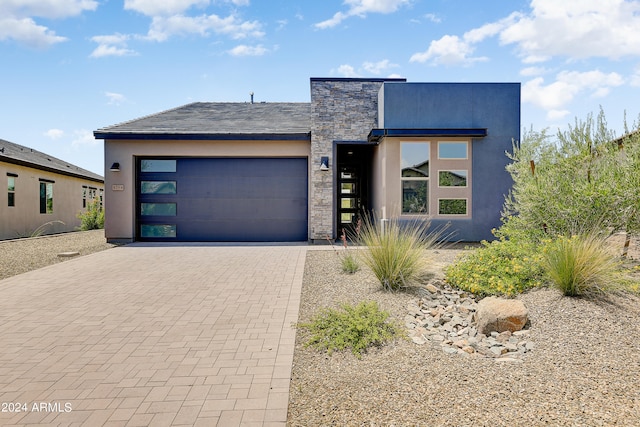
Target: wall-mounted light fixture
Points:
(115, 167)
(324, 163)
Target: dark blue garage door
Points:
(222, 199)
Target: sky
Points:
(69, 67)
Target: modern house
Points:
(215, 171)
(42, 194)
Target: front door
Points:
(353, 186)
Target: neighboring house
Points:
(42, 194)
(211, 171)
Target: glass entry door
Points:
(349, 199)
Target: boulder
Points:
(500, 315)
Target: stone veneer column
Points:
(341, 110)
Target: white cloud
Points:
(51, 9)
(532, 71)
(378, 67)
(25, 31)
(54, 133)
(433, 18)
(362, 8)
(577, 29)
(83, 137)
(244, 50)
(115, 98)
(453, 50)
(449, 50)
(567, 85)
(573, 29)
(164, 7)
(17, 23)
(164, 27)
(345, 70)
(281, 24)
(375, 68)
(634, 80)
(554, 115)
(111, 45)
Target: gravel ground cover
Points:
(21, 255)
(584, 370)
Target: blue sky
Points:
(69, 67)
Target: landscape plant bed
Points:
(584, 369)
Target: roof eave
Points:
(286, 136)
(49, 169)
(377, 134)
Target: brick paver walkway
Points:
(152, 335)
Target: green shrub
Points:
(501, 267)
(348, 260)
(93, 217)
(581, 264)
(349, 263)
(357, 328)
(396, 252)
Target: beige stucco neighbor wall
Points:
(120, 187)
(23, 219)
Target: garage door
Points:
(222, 199)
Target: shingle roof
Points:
(219, 120)
(25, 156)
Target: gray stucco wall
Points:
(341, 110)
(495, 106)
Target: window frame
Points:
(425, 179)
(435, 191)
(466, 153)
(11, 189)
(466, 207)
(46, 202)
(466, 178)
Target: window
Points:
(11, 190)
(158, 209)
(449, 192)
(160, 230)
(452, 150)
(84, 196)
(415, 177)
(457, 178)
(158, 187)
(46, 196)
(452, 206)
(158, 166)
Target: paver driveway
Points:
(152, 335)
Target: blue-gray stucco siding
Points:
(494, 106)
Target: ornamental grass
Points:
(396, 251)
(581, 265)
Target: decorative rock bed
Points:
(444, 317)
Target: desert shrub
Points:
(349, 263)
(348, 259)
(357, 328)
(93, 217)
(501, 267)
(581, 264)
(395, 253)
(582, 179)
